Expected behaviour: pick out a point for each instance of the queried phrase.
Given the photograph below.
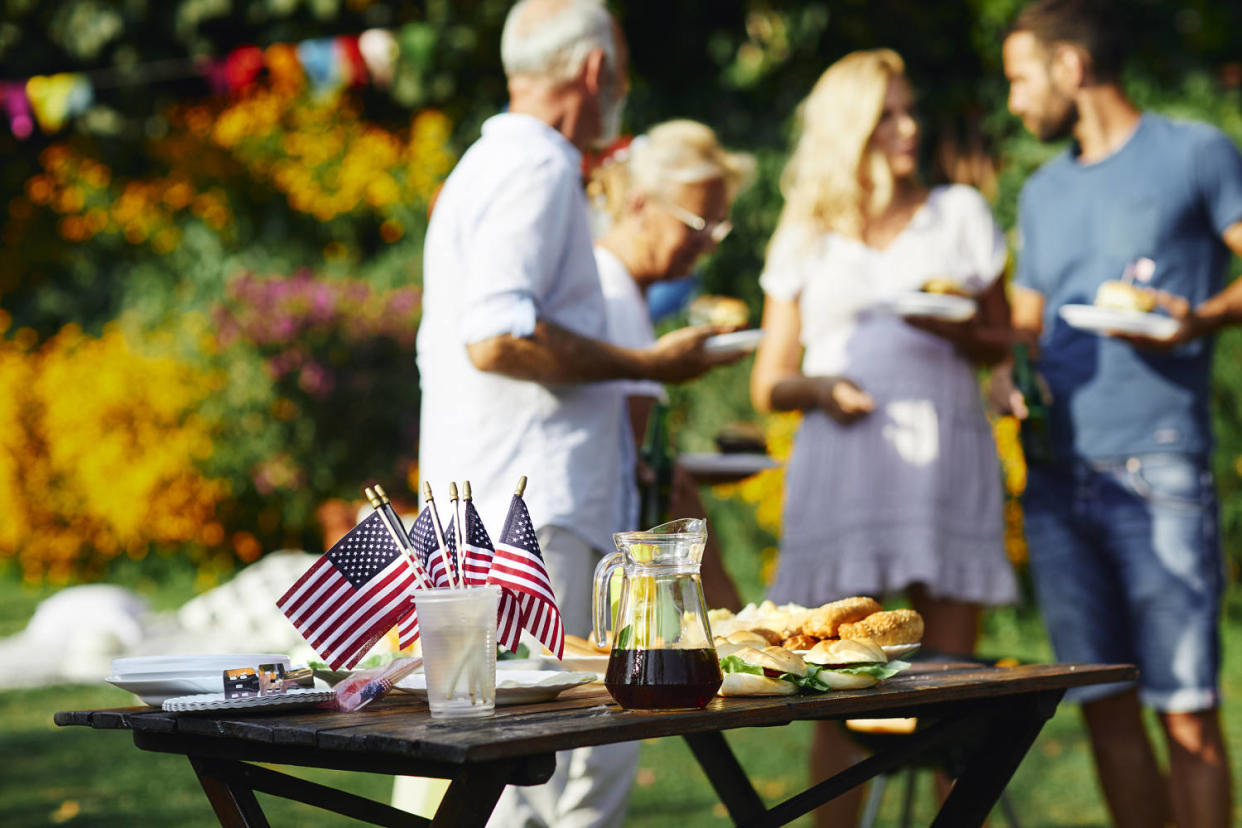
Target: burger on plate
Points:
(771, 671)
(944, 286)
(1123, 296)
(848, 664)
(718, 310)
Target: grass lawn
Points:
(77, 776)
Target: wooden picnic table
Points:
(998, 710)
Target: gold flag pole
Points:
(521, 486)
(435, 522)
(380, 503)
(456, 501)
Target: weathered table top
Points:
(397, 734)
(400, 725)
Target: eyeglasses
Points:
(718, 231)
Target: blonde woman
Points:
(893, 484)
(664, 201)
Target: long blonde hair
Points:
(833, 181)
(670, 154)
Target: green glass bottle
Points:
(656, 494)
(1036, 434)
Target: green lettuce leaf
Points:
(811, 681)
(734, 664)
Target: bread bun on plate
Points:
(899, 626)
(1124, 296)
(757, 672)
(718, 310)
(836, 656)
(944, 286)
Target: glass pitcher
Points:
(662, 653)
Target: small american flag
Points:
(352, 595)
(518, 567)
(423, 534)
(478, 564)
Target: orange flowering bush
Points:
(101, 455)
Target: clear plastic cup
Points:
(458, 632)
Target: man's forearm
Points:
(554, 355)
(1223, 309)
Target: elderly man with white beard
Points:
(513, 362)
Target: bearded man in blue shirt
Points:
(1122, 521)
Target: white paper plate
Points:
(181, 665)
(934, 305)
(740, 463)
(300, 697)
(735, 342)
(155, 691)
(1109, 320)
(514, 686)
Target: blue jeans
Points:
(1127, 566)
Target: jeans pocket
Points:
(1172, 481)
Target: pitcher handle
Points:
(601, 601)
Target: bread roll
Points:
(945, 286)
(718, 310)
(748, 684)
(776, 659)
(846, 651)
(901, 626)
(824, 622)
(747, 637)
(1124, 296)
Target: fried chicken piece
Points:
(901, 626)
(799, 642)
(824, 621)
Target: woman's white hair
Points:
(669, 155)
(552, 40)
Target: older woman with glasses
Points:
(893, 484)
(666, 200)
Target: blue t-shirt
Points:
(1167, 194)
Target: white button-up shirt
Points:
(509, 243)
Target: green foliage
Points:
(741, 66)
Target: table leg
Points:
(727, 776)
(472, 795)
(1009, 735)
(234, 803)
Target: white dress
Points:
(911, 493)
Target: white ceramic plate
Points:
(597, 664)
(1108, 320)
(154, 691)
(898, 650)
(300, 697)
(734, 342)
(935, 305)
(514, 686)
(180, 665)
(741, 463)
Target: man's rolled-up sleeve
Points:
(515, 251)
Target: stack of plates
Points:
(156, 678)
